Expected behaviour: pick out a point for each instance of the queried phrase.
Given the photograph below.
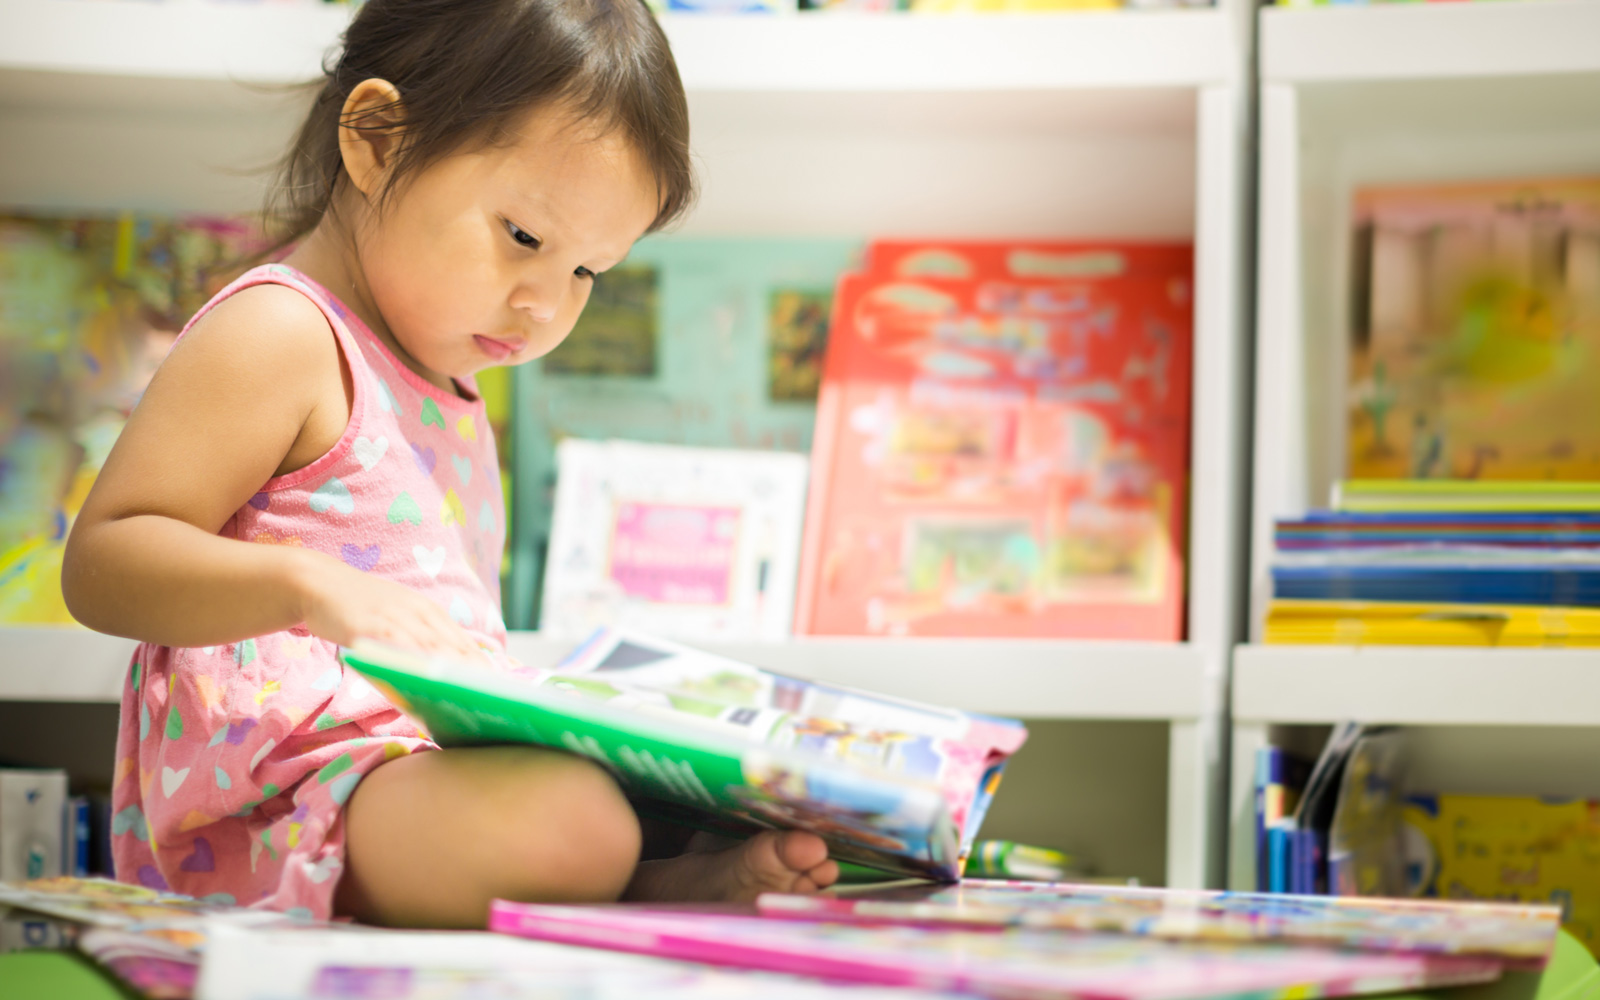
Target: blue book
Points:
(1280, 851)
(1306, 877)
(1572, 586)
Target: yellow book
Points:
(1384, 623)
(1509, 849)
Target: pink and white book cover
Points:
(1520, 935)
(1000, 962)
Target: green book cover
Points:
(716, 743)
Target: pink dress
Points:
(234, 762)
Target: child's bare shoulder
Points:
(268, 320)
(267, 336)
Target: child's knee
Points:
(592, 840)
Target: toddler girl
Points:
(312, 463)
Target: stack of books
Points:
(1441, 562)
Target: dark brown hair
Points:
(469, 70)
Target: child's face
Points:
(487, 257)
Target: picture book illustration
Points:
(1475, 340)
(88, 309)
(1511, 932)
(891, 784)
(695, 543)
(618, 333)
(1492, 847)
(798, 325)
(1000, 456)
(1013, 962)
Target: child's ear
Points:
(370, 133)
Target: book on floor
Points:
(722, 745)
(1009, 962)
(1517, 933)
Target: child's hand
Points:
(343, 604)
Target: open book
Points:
(725, 746)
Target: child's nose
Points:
(537, 299)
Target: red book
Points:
(1001, 456)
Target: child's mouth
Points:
(498, 350)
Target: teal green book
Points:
(710, 342)
(891, 784)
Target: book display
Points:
(697, 342)
(692, 543)
(1002, 439)
(1475, 331)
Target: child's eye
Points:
(522, 236)
(584, 272)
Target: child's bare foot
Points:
(792, 861)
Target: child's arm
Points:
(257, 388)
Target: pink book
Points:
(1518, 934)
(1009, 962)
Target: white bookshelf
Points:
(1130, 124)
(1358, 95)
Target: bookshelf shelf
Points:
(1429, 41)
(1416, 685)
(284, 43)
(1042, 680)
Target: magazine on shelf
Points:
(695, 543)
(722, 745)
(1010, 962)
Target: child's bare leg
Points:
(793, 861)
(432, 837)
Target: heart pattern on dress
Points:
(370, 452)
(172, 780)
(333, 495)
(361, 558)
(431, 560)
(426, 458)
(200, 859)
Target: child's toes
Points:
(801, 851)
(824, 874)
